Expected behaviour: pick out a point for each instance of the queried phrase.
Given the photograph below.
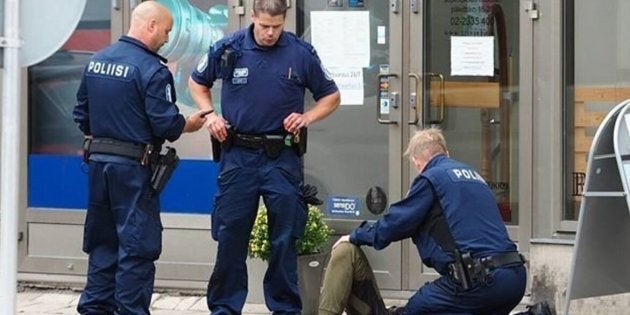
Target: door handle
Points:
(392, 97)
(441, 100)
(413, 98)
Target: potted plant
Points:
(312, 251)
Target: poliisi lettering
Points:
(109, 69)
(467, 174)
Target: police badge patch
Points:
(239, 76)
(326, 72)
(203, 63)
(169, 93)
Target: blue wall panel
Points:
(60, 181)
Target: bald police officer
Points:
(451, 215)
(265, 72)
(126, 104)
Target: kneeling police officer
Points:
(451, 215)
(126, 107)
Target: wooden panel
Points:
(582, 141)
(466, 94)
(585, 118)
(601, 94)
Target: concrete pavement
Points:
(52, 301)
(36, 301)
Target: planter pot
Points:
(310, 275)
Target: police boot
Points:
(395, 310)
(540, 308)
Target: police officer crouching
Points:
(126, 110)
(451, 215)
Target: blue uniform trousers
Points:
(443, 297)
(247, 174)
(123, 237)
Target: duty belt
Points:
(141, 152)
(259, 141)
(500, 260)
(468, 272)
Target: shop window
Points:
(56, 178)
(597, 77)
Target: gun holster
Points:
(163, 168)
(299, 141)
(459, 270)
(86, 149)
(218, 146)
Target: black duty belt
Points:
(499, 260)
(257, 141)
(121, 148)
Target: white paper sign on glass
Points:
(472, 55)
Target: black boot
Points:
(540, 308)
(395, 310)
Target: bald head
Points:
(150, 23)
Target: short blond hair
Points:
(426, 143)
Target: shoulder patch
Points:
(169, 93)
(202, 64)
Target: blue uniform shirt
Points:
(262, 85)
(469, 208)
(127, 93)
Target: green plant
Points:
(316, 233)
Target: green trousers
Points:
(349, 284)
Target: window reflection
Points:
(53, 83)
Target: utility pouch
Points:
(299, 141)
(273, 145)
(163, 169)
(228, 59)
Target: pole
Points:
(9, 158)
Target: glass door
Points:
(358, 146)
(466, 54)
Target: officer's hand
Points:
(194, 122)
(217, 126)
(296, 121)
(310, 194)
(343, 239)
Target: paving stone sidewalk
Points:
(49, 302)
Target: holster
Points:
(163, 168)
(299, 141)
(86, 149)
(459, 270)
(218, 146)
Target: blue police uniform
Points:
(473, 219)
(261, 86)
(126, 94)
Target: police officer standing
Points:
(451, 215)
(265, 71)
(126, 106)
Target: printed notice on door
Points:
(342, 40)
(472, 56)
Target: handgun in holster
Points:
(86, 149)
(460, 268)
(218, 146)
(299, 141)
(163, 168)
